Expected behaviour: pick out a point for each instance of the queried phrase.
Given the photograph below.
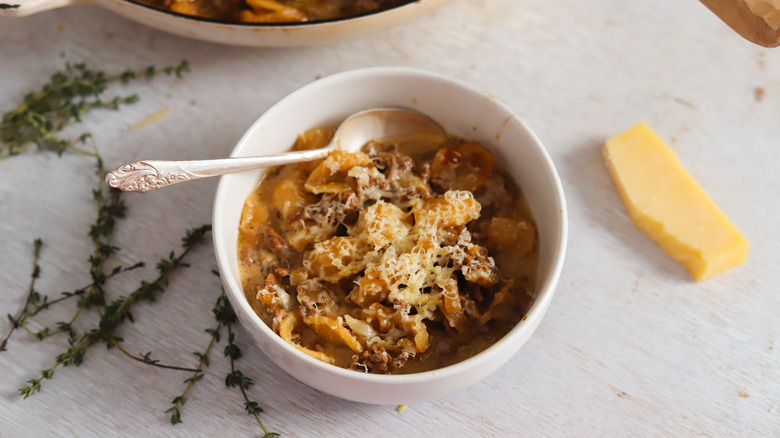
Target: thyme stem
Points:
(243, 384)
(203, 361)
(32, 296)
(75, 293)
(148, 360)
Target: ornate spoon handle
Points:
(147, 175)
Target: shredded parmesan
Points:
(156, 117)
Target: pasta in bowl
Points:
(404, 257)
(403, 272)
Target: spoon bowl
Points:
(381, 124)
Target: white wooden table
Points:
(631, 345)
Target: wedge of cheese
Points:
(668, 205)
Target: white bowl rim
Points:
(538, 307)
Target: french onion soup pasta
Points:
(273, 11)
(400, 258)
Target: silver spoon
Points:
(381, 124)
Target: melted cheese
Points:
(669, 206)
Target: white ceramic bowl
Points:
(463, 111)
(245, 34)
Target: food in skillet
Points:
(273, 11)
(400, 258)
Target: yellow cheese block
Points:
(669, 206)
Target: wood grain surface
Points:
(756, 20)
(631, 346)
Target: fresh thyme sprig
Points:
(82, 290)
(33, 300)
(203, 361)
(236, 378)
(65, 100)
(117, 312)
(45, 303)
(110, 208)
(68, 96)
(225, 315)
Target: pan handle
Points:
(22, 8)
(756, 20)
